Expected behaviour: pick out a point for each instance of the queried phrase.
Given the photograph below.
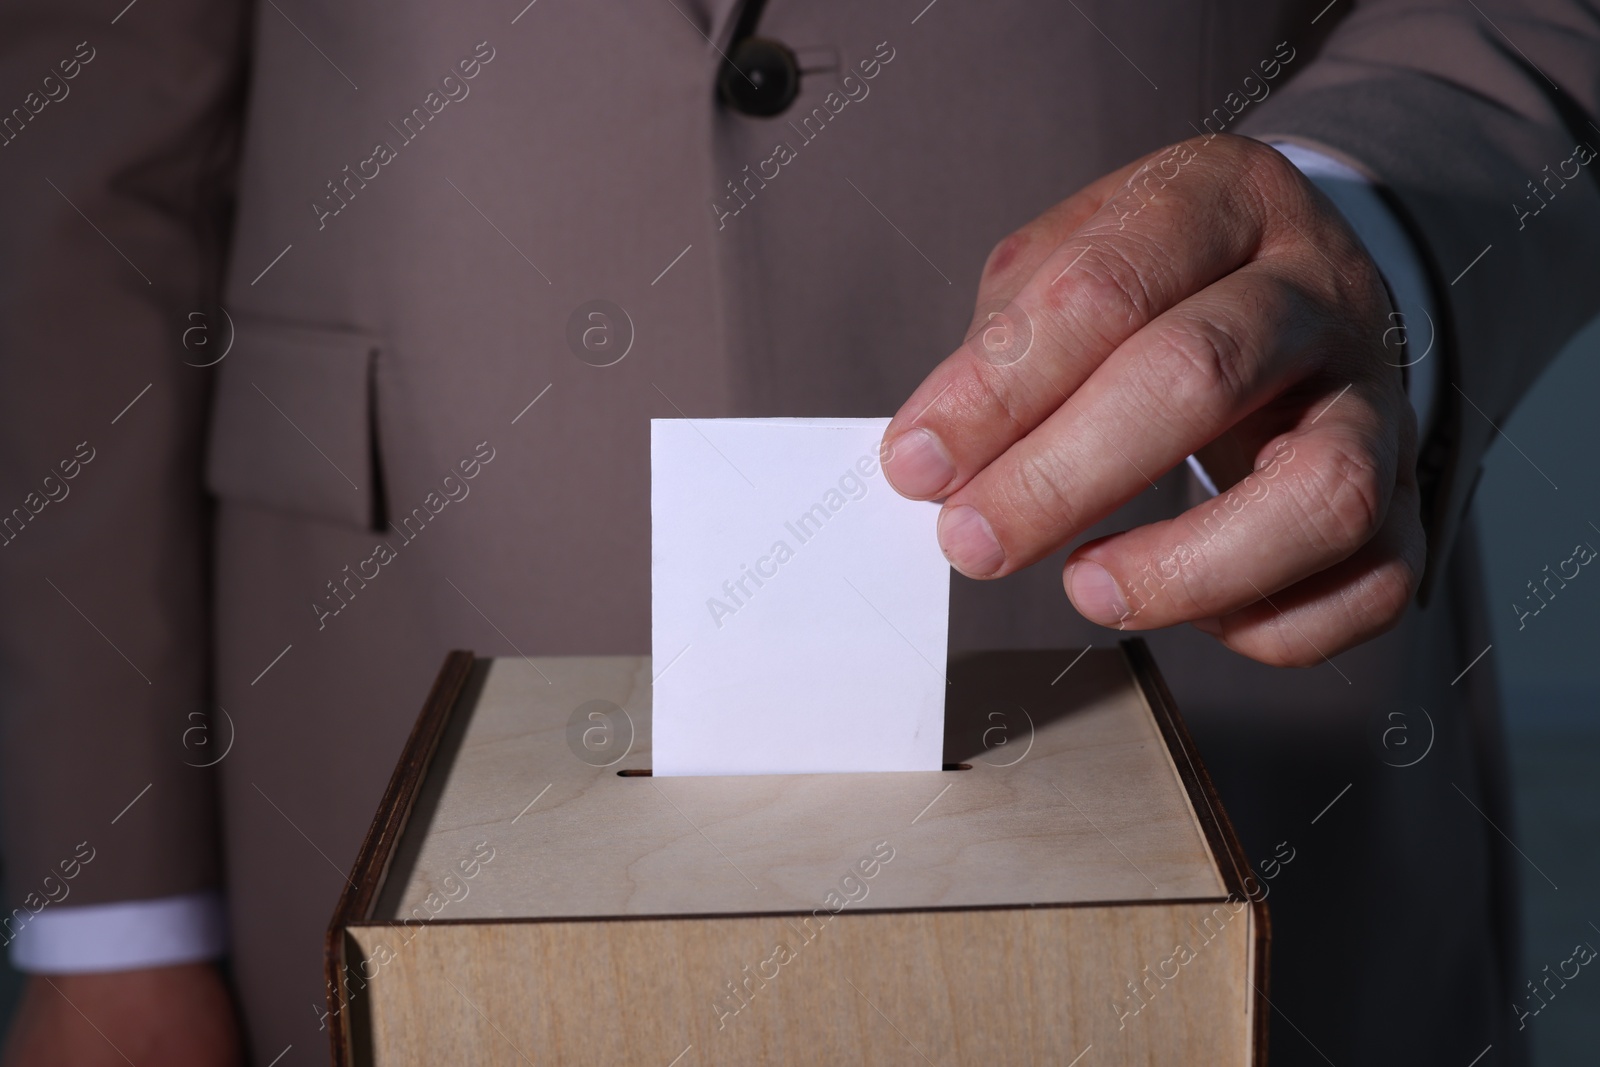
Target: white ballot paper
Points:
(799, 605)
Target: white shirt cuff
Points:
(88, 938)
(1391, 249)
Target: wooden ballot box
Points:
(1066, 891)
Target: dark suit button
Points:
(763, 78)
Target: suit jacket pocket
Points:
(292, 425)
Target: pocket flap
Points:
(292, 424)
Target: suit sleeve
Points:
(118, 137)
(1478, 122)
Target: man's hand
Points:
(1206, 299)
(180, 1016)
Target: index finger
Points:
(1136, 256)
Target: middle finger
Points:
(1133, 260)
(1174, 386)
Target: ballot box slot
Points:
(645, 772)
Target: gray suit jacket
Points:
(395, 215)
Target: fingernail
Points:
(968, 542)
(1095, 593)
(917, 464)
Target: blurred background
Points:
(1550, 680)
(1549, 671)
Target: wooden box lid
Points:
(1070, 782)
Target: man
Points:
(411, 213)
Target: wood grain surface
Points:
(990, 986)
(1093, 811)
(1074, 896)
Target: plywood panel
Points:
(992, 987)
(1072, 797)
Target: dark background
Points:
(1550, 678)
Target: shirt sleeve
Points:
(113, 238)
(85, 938)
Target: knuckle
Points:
(1267, 176)
(1036, 497)
(1385, 597)
(1192, 594)
(1274, 643)
(1271, 173)
(1344, 499)
(1297, 654)
(1284, 646)
(1200, 368)
(1106, 286)
(1355, 294)
(1327, 250)
(997, 396)
(1005, 253)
